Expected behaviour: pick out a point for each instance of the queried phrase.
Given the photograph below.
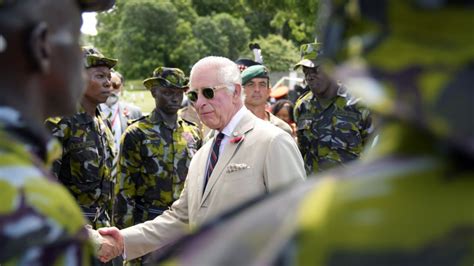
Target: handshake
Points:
(108, 242)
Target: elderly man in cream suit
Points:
(255, 157)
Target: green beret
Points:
(310, 55)
(256, 71)
(167, 77)
(94, 58)
(85, 5)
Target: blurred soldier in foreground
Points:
(256, 83)
(86, 165)
(157, 151)
(332, 126)
(410, 202)
(40, 76)
(118, 112)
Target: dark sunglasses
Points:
(116, 85)
(309, 70)
(208, 93)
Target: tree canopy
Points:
(144, 34)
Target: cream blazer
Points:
(265, 158)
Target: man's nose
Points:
(257, 88)
(175, 98)
(200, 101)
(107, 83)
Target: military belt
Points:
(152, 210)
(95, 214)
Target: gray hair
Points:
(227, 71)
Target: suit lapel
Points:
(244, 126)
(202, 164)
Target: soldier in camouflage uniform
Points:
(40, 223)
(332, 126)
(156, 153)
(410, 200)
(87, 164)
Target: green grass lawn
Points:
(136, 94)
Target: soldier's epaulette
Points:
(107, 122)
(136, 120)
(53, 120)
(189, 122)
(303, 95)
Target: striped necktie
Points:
(214, 157)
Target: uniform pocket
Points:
(304, 124)
(346, 133)
(84, 160)
(151, 152)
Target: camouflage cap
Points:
(85, 5)
(167, 77)
(94, 58)
(310, 55)
(256, 71)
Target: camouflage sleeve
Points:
(40, 224)
(198, 136)
(299, 134)
(129, 172)
(366, 125)
(296, 110)
(59, 129)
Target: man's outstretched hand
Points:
(111, 244)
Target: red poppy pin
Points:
(237, 139)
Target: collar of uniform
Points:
(157, 118)
(9, 115)
(341, 92)
(83, 117)
(30, 133)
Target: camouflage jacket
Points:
(330, 132)
(40, 223)
(87, 165)
(153, 165)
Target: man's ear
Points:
(40, 47)
(237, 90)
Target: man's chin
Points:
(111, 100)
(102, 99)
(208, 123)
(171, 111)
(253, 103)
